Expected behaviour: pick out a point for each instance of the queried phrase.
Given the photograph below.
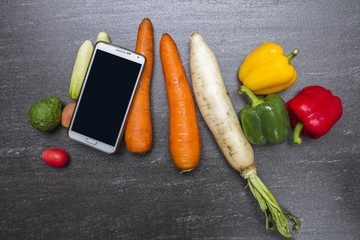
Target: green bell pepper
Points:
(265, 119)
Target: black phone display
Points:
(105, 98)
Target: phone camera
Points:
(128, 53)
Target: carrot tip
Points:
(186, 170)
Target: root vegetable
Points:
(55, 157)
(218, 112)
(184, 131)
(138, 132)
(67, 114)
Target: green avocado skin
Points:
(45, 114)
(268, 122)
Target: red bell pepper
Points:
(313, 112)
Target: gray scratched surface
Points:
(126, 196)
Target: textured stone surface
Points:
(127, 196)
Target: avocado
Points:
(44, 115)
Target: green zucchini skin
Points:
(103, 37)
(81, 64)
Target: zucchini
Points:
(81, 64)
(102, 36)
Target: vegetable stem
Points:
(299, 126)
(293, 54)
(271, 208)
(186, 170)
(254, 100)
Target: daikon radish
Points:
(218, 112)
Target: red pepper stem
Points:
(254, 100)
(293, 54)
(299, 126)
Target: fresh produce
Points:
(218, 112)
(265, 119)
(81, 65)
(55, 157)
(266, 70)
(45, 114)
(103, 37)
(138, 132)
(313, 112)
(184, 130)
(67, 114)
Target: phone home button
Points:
(91, 141)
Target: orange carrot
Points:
(184, 130)
(138, 132)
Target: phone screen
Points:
(105, 98)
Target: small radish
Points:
(55, 157)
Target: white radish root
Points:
(216, 107)
(218, 112)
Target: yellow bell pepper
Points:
(267, 70)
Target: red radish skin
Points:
(55, 157)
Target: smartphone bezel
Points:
(120, 52)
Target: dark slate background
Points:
(127, 196)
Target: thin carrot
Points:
(138, 132)
(184, 130)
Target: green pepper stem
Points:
(271, 208)
(254, 100)
(299, 126)
(293, 54)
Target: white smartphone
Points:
(110, 83)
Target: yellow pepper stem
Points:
(293, 54)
